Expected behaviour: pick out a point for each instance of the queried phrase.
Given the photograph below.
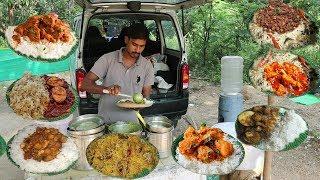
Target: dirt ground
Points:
(302, 163)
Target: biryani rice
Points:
(29, 97)
(68, 155)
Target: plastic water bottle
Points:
(231, 74)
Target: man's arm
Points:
(89, 85)
(146, 91)
(148, 81)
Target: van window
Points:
(113, 26)
(152, 27)
(170, 35)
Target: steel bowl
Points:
(125, 128)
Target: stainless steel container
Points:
(161, 135)
(83, 130)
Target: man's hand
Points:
(113, 90)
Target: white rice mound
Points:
(261, 36)
(68, 155)
(216, 167)
(286, 131)
(257, 73)
(44, 49)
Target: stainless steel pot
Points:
(84, 129)
(161, 135)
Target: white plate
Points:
(131, 105)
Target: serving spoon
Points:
(143, 123)
(105, 91)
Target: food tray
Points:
(296, 143)
(144, 172)
(72, 109)
(176, 142)
(48, 174)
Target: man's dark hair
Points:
(138, 31)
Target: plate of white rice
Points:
(66, 158)
(43, 50)
(223, 167)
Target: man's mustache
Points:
(135, 53)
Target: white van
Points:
(101, 29)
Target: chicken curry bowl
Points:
(125, 156)
(207, 151)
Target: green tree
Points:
(221, 28)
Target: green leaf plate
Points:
(296, 143)
(48, 174)
(63, 116)
(236, 145)
(3, 146)
(144, 172)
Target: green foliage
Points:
(226, 24)
(3, 43)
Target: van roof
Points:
(169, 4)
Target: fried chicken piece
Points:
(32, 32)
(205, 154)
(55, 81)
(225, 148)
(17, 38)
(59, 94)
(19, 29)
(211, 135)
(188, 146)
(65, 37)
(190, 132)
(45, 35)
(50, 19)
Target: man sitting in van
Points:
(124, 71)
